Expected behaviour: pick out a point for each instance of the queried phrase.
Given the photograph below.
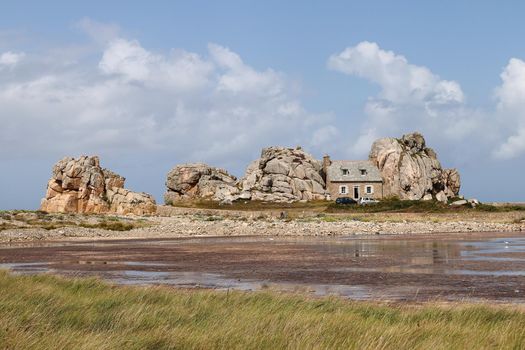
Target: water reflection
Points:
(146, 262)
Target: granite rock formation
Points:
(200, 181)
(411, 171)
(82, 186)
(283, 175)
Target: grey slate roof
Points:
(335, 171)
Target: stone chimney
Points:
(326, 163)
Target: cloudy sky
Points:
(149, 86)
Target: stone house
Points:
(352, 178)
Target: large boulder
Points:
(123, 201)
(82, 186)
(410, 170)
(200, 181)
(283, 175)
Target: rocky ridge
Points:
(411, 170)
(282, 175)
(200, 181)
(279, 175)
(82, 186)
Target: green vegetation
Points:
(46, 312)
(500, 208)
(394, 205)
(110, 225)
(386, 205)
(38, 219)
(407, 206)
(253, 205)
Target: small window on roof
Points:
(363, 172)
(345, 172)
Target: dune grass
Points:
(24, 219)
(47, 312)
(386, 205)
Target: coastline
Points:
(173, 222)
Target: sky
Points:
(147, 86)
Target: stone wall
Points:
(333, 188)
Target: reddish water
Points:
(450, 267)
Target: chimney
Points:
(326, 163)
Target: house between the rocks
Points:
(352, 178)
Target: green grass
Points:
(500, 208)
(47, 221)
(110, 225)
(248, 205)
(46, 312)
(385, 205)
(395, 205)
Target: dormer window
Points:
(345, 172)
(363, 172)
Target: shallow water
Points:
(451, 267)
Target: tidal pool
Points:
(474, 266)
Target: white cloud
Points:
(400, 81)
(411, 97)
(128, 59)
(513, 146)
(10, 59)
(99, 32)
(240, 77)
(194, 107)
(131, 62)
(511, 110)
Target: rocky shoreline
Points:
(190, 223)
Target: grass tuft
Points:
(51, 312)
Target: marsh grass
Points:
(248, 205)
(395, 205)
(39, 219)
(46, 312)
(110, 225)
(500, 208)
(386, 205)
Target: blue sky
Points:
(216, 81)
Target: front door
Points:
(356, 192)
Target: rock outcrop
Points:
(200, 181)
(410, 170)
(283, 175)
(82, 186)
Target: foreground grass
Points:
(43, 312)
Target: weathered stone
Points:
(410, 170)
(459, 203)
(452, 182)
(427, 197)
(200, 181)
(283, 175)
(124, 201)
(442, 197)
(82, 186)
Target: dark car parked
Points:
(345, 200)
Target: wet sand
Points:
(473, 266)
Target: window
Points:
(345, 172)
(363, 172)
(369, 189)
(343, 190)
